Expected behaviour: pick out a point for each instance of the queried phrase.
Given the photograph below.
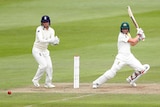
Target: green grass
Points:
(79, 100)
(88, 28)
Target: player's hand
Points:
(54, 41)
(57, 40)
(143, 37)
(141, 34)
(139, 31)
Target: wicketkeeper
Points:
(45, 35)
(125, 57)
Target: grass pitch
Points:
(88, 28)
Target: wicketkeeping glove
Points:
(55, 41)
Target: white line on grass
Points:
(64, 99)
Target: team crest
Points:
(124, 24)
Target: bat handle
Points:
(137, 28)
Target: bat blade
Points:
(132, 17)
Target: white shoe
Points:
(49, 85)
(36, 83)
(95, 85)
(131, 82)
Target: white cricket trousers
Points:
(45, 64)
(117, 65)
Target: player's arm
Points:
(41, 39)
(140, 36)
(55, 39)
(134, 41)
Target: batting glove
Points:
(143, 37)
(141, 34)
(139, 31)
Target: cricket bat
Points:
(132, 17)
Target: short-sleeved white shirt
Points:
(123, 46)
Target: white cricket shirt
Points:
(43, 37)
(123, 46)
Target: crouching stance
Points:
(125, 57)
(45, 35)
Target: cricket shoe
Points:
(49, 85)
(95, 85)
(36, 83)
(131, 82)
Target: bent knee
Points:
(43, 66)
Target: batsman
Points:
(125, 57)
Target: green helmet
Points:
(125, 25)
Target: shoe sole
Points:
(49, 87)
(133, 84)
(94, 87)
